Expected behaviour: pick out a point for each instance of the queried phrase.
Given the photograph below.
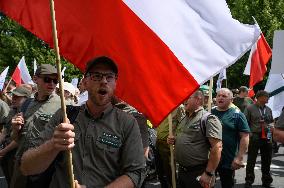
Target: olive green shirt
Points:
(192, 147)
(242, 103)
(163, 128)
(105, 148)
(254, 114)
(280, 121)
(36, 115)
(4, 110)
(8, 125)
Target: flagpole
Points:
(173, 169)
(63, 106)
(4, 90)
(210, 94)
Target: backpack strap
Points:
(72, 112)
(203, 122)
(25, 105)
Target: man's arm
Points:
(8, 148)
(278, 135)
(122, 182)
(213, 161)
(37, 160)
(244, 142)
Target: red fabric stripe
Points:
(151, 78)
(259, 59)
(17, 76)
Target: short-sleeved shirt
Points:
(36, 115)
(242, 103)
(4, 110)
(192, 147)
(254, 113)
(280, 121)
(105, 148)
(233, 123)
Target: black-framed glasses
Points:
(98, 76)
(49, 80)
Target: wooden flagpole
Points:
(210, 94)
(173, 169)
(63, 106)
(4, 90)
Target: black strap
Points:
(72, 112)
(25, 105)
(203, 122)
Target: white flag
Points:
(35, 66)
(222, 76)
(74, 82)
(3, 77)
(277, 65)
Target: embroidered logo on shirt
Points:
(110, 140)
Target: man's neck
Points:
(260, 104)
(41, 96)
(223, 109)
(96, 110)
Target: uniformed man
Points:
(35, 113)
(197, 152)
(7, 153)
(105, 141)
(242, 100)
(259, 116)
(235, 131)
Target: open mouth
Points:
(102, 91)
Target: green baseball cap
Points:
(22, 91)
(45, 69)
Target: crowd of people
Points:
(110, 140)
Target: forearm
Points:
(11, 146)
(214, 157)
(278, 135)
(37, 160)
(121, 182)
(244, 142)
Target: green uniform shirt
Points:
(280, 121)
(163, 128)
(4, 110)
(242, 103)
(192, 147)
(36, 115)
(254, 114)
(233, 122)
(8, 125)
(105, 148)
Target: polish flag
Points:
(21, 74)
(164, 49)
(256, 66)
(3, 76)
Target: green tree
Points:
(16, 42)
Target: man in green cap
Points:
(30, 122)
(7, 153)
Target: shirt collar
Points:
(46, 99)
(103, 114)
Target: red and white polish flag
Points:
(21, 73)
(164, 49)
(260, 55)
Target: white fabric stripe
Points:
(253, 49)
(203, 35)
(24, 71)
(3, 76)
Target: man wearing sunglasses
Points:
(31, 120)
(105, 141)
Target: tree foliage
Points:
(16, 42)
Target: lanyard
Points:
(262, 113)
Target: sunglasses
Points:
(49, 80)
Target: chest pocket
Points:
(108, 142)
(193, 131)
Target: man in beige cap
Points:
(29, 123)
(7, 153)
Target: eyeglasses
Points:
(49, 80)
(98, 76)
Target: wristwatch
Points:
(209, 173)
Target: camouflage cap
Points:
(22, 91)
(46, 69)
